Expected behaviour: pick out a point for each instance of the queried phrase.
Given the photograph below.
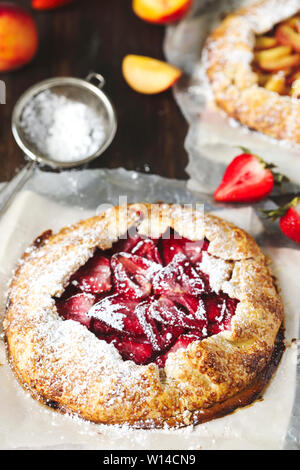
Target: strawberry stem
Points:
(280, 211)
(279, 178)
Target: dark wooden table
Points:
(95, 35)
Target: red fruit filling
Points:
(148, 297)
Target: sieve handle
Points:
(97, 78)
(10, 189)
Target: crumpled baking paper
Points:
(50, 201)
(213, 139)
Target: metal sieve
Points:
(87, 91)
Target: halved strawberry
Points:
(289, 216)
(148, 323)
(247, 179)
(95, 276)
(165, 311)
(115, 314)
(169, 335)
(175, 244)
(138, 245)
(196, 308)
(127, 243)
(194, 249)
(147, 249)
(171, 247)
(220, 309)
(76, 308)
(132, 275)
(179, 277)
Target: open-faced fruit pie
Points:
(147, 314)
(252, 60)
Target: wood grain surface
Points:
(95, 35)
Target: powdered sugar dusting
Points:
(108, 312)
(218, 270)
(62, 129)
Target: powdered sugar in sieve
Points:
(61, 127)
(61, 122)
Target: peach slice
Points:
(272, 54)
(147, 75)
(161, 11)
(293, 22)
(277, 58)
(18, 37)
(276, 83)
(281, 63)
(48, 4)
(265, 42)
(295, 89)
(287, 36)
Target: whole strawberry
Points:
(247, 179)
(289, 219)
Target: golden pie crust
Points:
(92, 380)
(228, 56)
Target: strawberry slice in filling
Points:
(132, 274)
(180, 277)
(76, 308)
(175, 244)
(147, 297)
(95, 276)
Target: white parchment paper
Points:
(213, 139)
(50, 201)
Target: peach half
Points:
(147, 75)
(18, 37)
(161, 11)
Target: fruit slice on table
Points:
(147, 75)
(161, 11)
(48, 4)
(289, 219)
(247, 179)
(18, 37)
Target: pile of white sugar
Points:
(62, 129)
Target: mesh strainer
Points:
(88, 92)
